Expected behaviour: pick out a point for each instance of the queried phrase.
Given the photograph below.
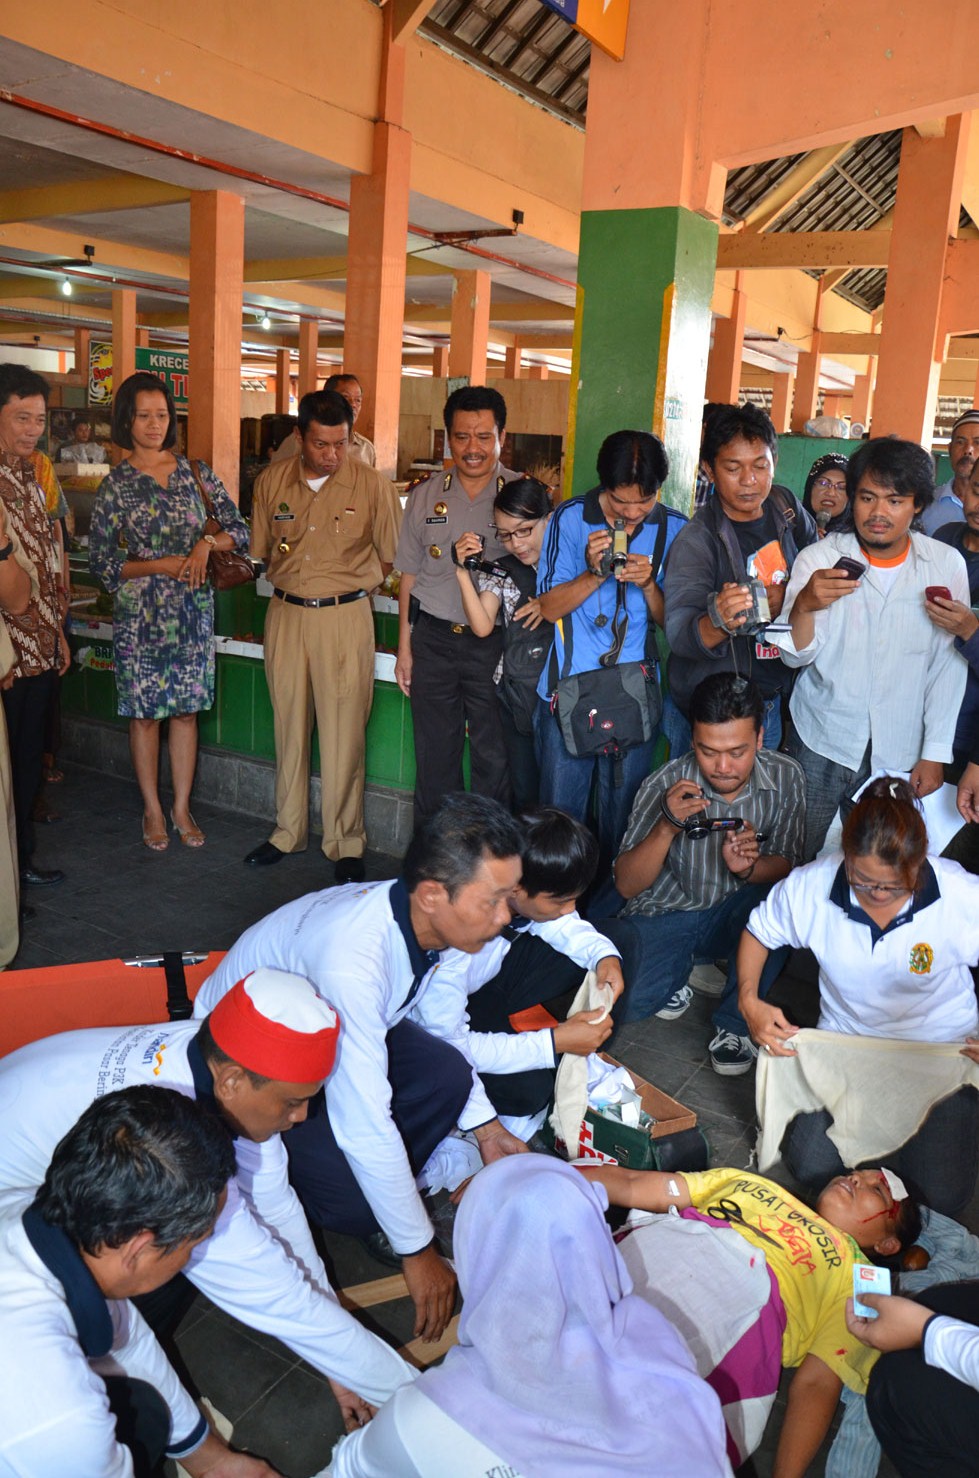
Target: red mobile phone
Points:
(937, 592)
(853, 567)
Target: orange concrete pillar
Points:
(142, 338)
(83, 340)
(374, 317)
(724, 361)
(440, 361)
(283, 378)
(783, 387)
(538, 372)
(975, 393)
(926, 214)
(833, 405)
(863, 397)
(123, 334)
(469, 335)
(217, 248)
(309, 332)
(513, 367)
(806, 397)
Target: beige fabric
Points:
(879, 1091)
(571, 1083)
(320, 664)
(362, 450)
(9, 871)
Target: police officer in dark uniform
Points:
(443, 667)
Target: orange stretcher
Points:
(133, 992)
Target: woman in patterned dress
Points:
(148, 547)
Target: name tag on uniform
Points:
(442, 519)
(765, 653)
(283, 517)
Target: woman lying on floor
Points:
(745, 1316)
(560, 1371)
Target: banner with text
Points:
(172, 366)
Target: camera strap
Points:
(620, 618)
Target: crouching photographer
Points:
(708, 835)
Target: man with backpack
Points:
(729, 566)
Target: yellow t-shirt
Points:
(812, 1262)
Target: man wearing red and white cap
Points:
(258, 1059)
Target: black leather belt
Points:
(456, 627)
(320, 600)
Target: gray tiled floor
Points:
(120, 899)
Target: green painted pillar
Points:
(642, 336)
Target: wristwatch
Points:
(210, 539)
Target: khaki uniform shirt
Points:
(362, 450)
(439, 512)
(335, 539)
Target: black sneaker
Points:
(731, 1055)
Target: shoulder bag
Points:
(226, 568)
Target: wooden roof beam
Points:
(793, 186)
(847, 249)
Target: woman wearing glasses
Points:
(508, 590)
(824, 498)
(895, 933)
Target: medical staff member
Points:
(895, 933)
(261, 1264)
(131, 1190)
(400, 1085)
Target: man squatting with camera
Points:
(708, 835)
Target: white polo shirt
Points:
(910, 981)
(357, 947)
(260, 1264)
(60, 1336)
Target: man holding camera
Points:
(709, 834)
(727, 572)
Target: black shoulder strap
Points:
(660, 545)
(179, 1006)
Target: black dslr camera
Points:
(701, 825)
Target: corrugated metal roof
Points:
(523, 43)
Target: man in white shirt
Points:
(256, 1062)
(923, 1399)
(880, 685)
(963, 451)
(133, 1188)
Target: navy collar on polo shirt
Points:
(928, 892)
(420, 960)
(202, 1075)
(85, 1299)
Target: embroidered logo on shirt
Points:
(921, 959)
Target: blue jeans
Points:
(672, 943)
(772, 722)
(567, 782)
(940, 1161)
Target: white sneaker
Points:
(676, 1005)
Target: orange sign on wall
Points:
(602, 21)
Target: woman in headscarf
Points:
(825, 493)
(560, 1371)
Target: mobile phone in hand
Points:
(853, 567)
(937, 592)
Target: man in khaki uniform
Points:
(350, 388)
(326, 527)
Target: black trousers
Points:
(927, 1421)
(534, 974)
(452, 687)
(26, 703)
(430, 1082)
(142, 1422)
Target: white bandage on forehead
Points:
(894, 1184)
